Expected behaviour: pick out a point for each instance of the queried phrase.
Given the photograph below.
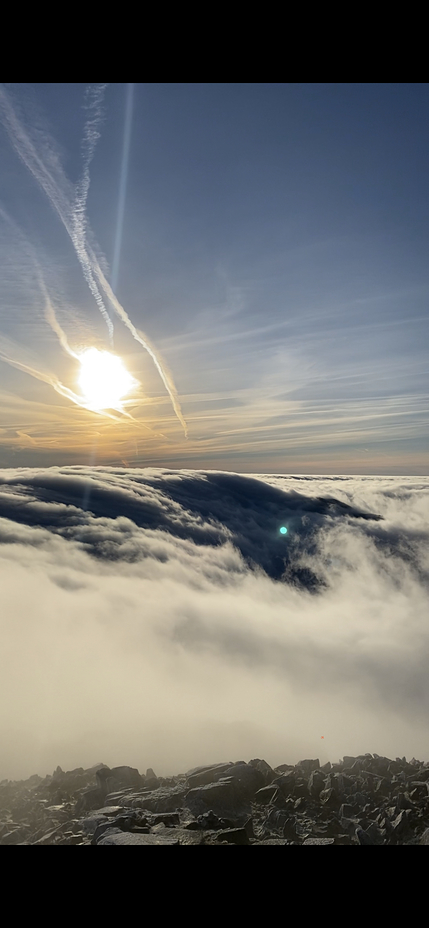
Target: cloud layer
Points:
(159, 617)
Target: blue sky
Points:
(274, 250)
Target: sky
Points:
(214, 415)
(256, 254)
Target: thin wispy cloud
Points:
(288, 298)
(71, 209)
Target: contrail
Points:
(122, 186)
(49, 175)
(8, 348)
(61, 197)
(6, 354)
(54, 324)
(43, 171)
(79, 222)
(49, 311)
(143, 341)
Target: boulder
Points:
(116, 836)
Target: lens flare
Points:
(283, 530)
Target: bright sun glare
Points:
(103, 379)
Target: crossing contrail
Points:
(70, 205)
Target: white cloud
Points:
(145, 619)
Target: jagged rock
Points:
(232, 836)
(300, 804)
(345, 810)
(363, 837)
(91, 799)
(401, 825)
(349, 761)
(419, 790)
(313, 841)
(326, 767)
(91, 822)
(225, 797)
(266, 794)
(130, 823)
(286, 782)
(315, 783)
(115, 836)
(163, 799)
(250, 778)
(120, 795)
(357, 800)
(309, 765)
(268, 773)
(151, 781)
(289, 829)
(168, 819)
(271, 842)
(204, 775)
(367, 800)
(119, 777)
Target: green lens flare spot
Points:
(283, 530)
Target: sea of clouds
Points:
(159, 618)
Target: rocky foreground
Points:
(359, 801)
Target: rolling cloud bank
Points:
(159, 617)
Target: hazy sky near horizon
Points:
(270, 240)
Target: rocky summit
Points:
(358, 801)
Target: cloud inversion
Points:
(161, 616)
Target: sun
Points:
(104, 380)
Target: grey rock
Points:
(363, 837)
(250, 778)
(224, 797)
(419, 790)
(309, 765)
(348, 761)
(284, 768)
(286, 782)
(266, 794)
(315, 783)
(328, 796)
(367, 800)
(233, 836)
(207, 775)
(91, 822)
(120, 795)
(268, 773)
(91, 799)
(163, 799)
(401, 825)
(116, 836)
(319, 841)
(271, 841)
